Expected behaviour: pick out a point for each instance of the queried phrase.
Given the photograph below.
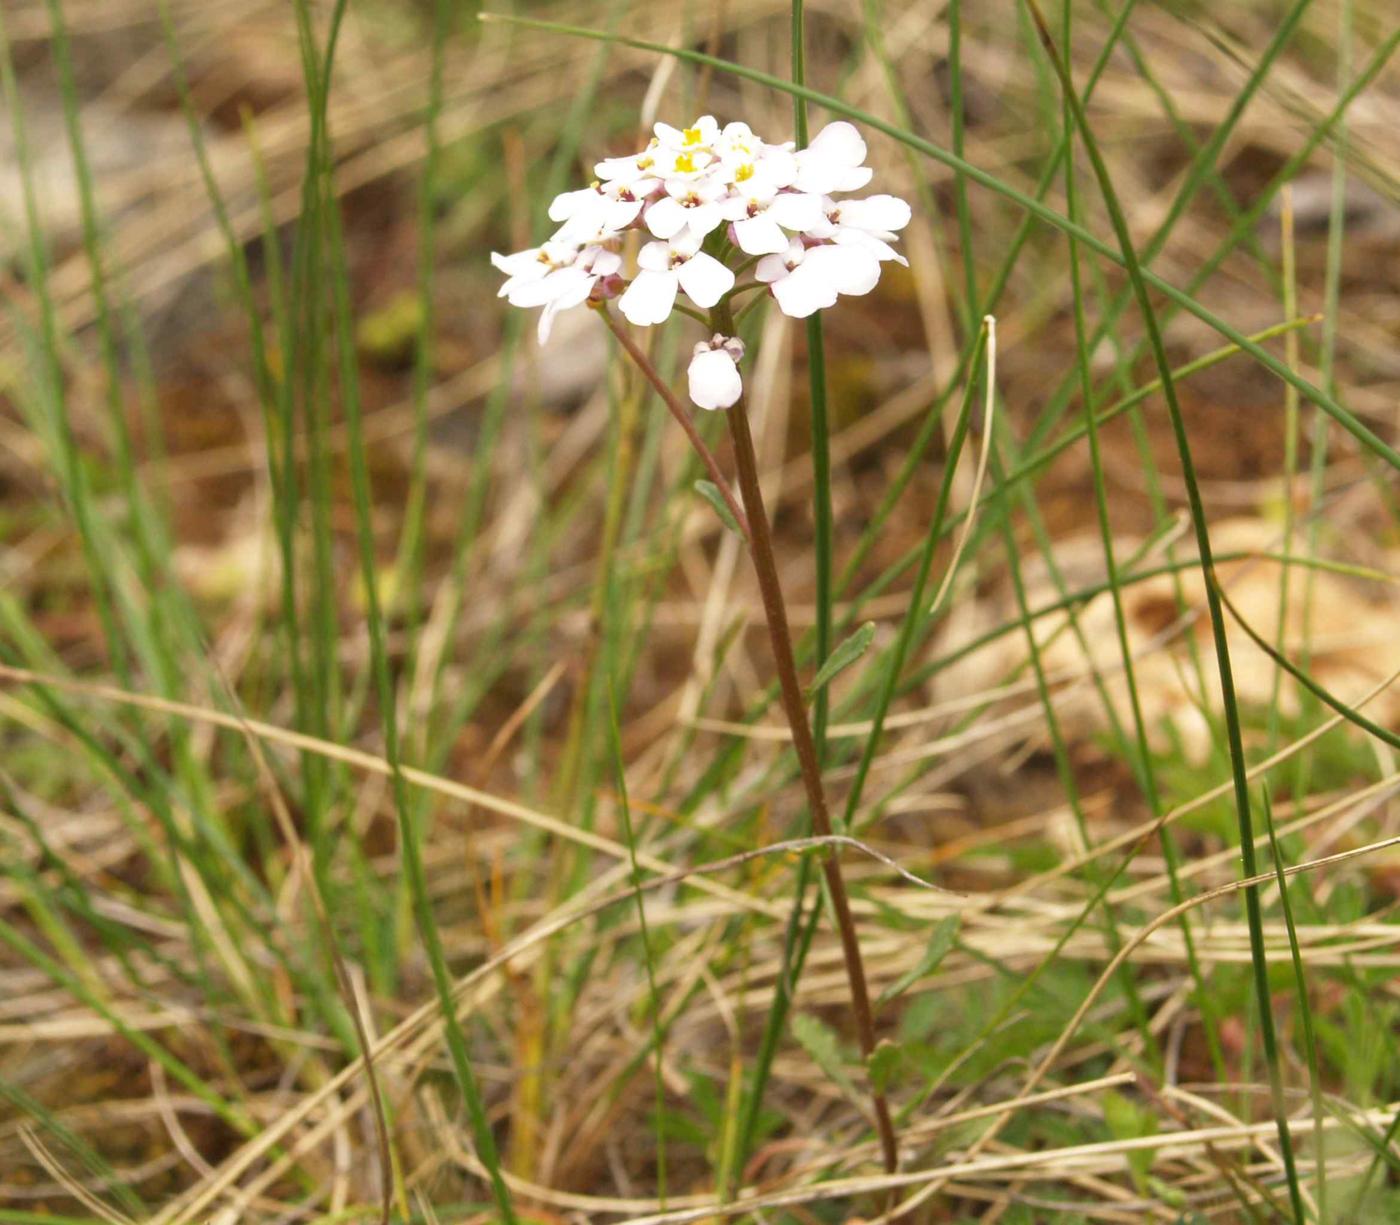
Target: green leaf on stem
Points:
(843, 657)
(821, 1042)
(940, 944)
(710, 492)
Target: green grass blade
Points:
(1217, 616)
(383, 681)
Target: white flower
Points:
(833, 161)
(808, 279)
(556, 276)
(742, 155)
(628, 170)
(692, 204)
(870, 222)
(760, 213)
(714, 372)
(605, 208)
(781, 205)
(702, 134)
(665, 267)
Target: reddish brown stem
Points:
(760, 539)
(795, 707)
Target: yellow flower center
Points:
(691, 136)
(685, 163)
(744, 173)
(645, 163)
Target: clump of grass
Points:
(399, 808)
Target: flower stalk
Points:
(795, 709)
(677, 409)
(715, 204)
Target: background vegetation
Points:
(358, 658)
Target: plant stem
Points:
(653, 376)
(775, 612)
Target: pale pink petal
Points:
(704, 279)
(649, 298)
(714, 379)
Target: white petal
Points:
(665, 217)
(734, 208)
(875, 213)
(770, 268)
(704, 279)
(760, 235)
(566, 204)
(605, 263)
(797, 210)
(562, 283)
(852, 178)
(851, 269)
(667, 135)
(573, 289)
(518, 263)
(870, 242)
(804, 291)
(649, 298)
(840, 143)
(655, 257)
(777, 165)
(619, 214)
(714, 379)
(687, 242)
(703, 218)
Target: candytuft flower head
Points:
(712, 204)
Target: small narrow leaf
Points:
(819, 1040)
(1128, 1121)
(940, 943)
(710, 492)
(844, 656)
(883, 1063)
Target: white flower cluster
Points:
(715, 203)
